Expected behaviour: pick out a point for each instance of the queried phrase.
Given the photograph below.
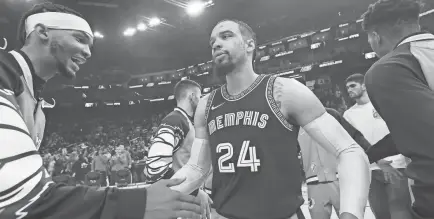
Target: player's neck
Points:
(44, 67)
(364, 99)
(186, 107)
(240, 79)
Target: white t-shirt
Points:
(367, 120)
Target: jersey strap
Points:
(273, 105)
(209, 103)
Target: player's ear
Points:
(250, 45)
(41, 32)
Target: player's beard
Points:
(357, 95)
(56, 50)
(221, 70)
(225, 66)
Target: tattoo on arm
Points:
(278, 92)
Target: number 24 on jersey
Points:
(253, 161)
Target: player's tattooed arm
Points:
(299, 105)
(199, 165)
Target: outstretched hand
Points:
(165, 203)
(206, 202)
(391, 174)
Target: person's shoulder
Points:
(175, 122)
(333, 112)
(349, 111)
(287, 85)
(172, 116)
(9, 74)
(399, 58)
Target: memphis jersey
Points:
(254, 152)
(171, 146)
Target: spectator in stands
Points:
(100, 164)
(120, 161)
(80, 169)
(51, 164)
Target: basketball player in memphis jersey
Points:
(247, 131)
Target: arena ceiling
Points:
(185, 40)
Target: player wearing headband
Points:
(57, 40)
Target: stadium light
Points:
(141, 26)
(130, 31)
(154, 21)
(98, 35)
(195, 8)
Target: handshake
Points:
(165, 203)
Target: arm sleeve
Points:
(354, 133)
(384, 148)
(84, 202)
(167, 140)
(353, 165)
(197, 168)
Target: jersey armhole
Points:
(273, 105)
(208, 104)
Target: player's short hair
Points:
(183, 86)
(41, 8)
(387, 13)
(358, 78)
(246, 32)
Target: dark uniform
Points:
(401, 88)
(26, 190)
(257, 172)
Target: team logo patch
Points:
(311, 203)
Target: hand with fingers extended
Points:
(391, 174)
(165, 203)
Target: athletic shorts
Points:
(57, 201)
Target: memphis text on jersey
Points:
(243, 118)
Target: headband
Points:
(57, 20)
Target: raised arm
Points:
(300, 105)
(198, 166)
